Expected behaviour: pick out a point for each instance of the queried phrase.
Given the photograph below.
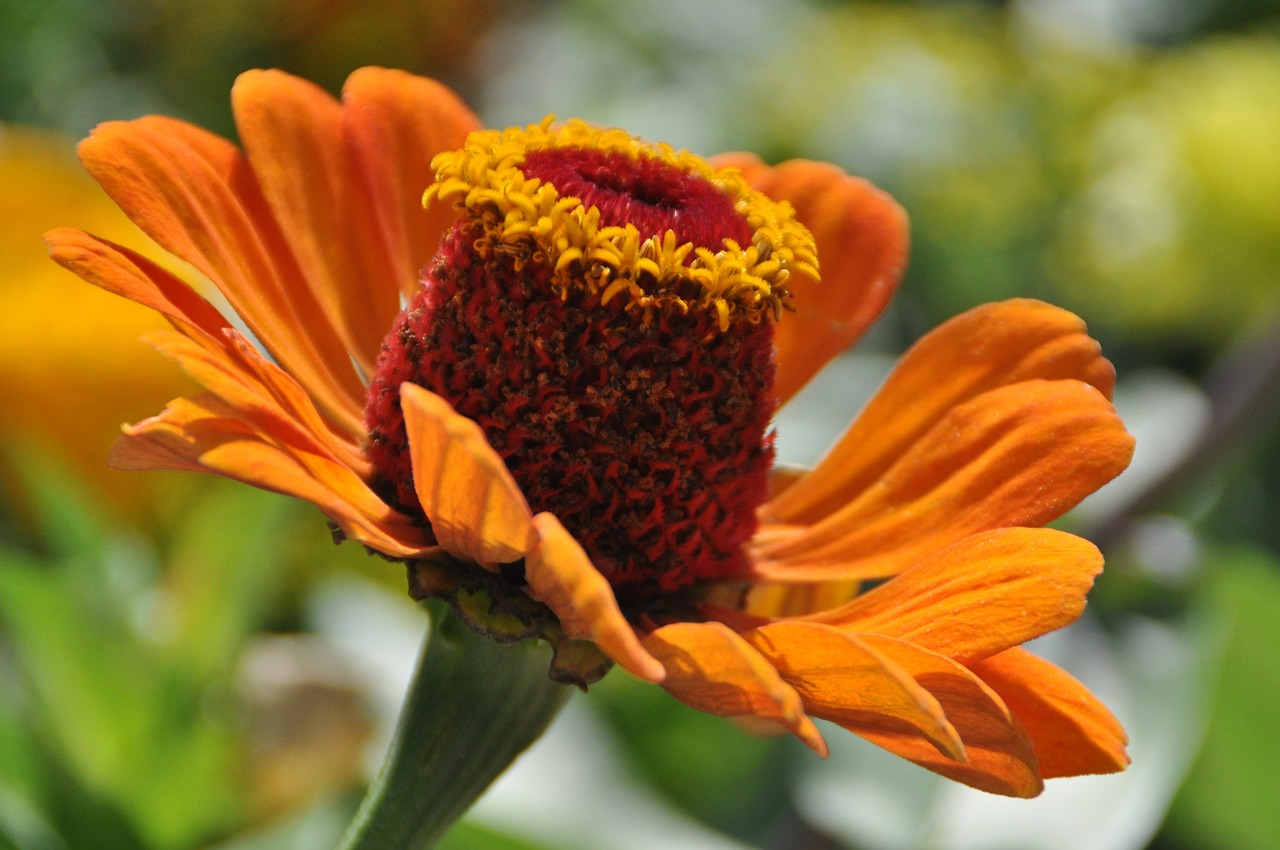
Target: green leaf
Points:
(1228, 800)
(472, 836)
(316, 826)
(62, 517)
(126, 726)
(225, 572)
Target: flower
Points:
(564, 431)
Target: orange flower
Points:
(608, 487)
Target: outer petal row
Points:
(999, 754)
(989, 347)
(562, 577)
(1021, 454)
(1074, 734)
(712, 668)
(476, 509)
(203, 435)
(980, 596)
(395, 122)
(1002, 725)
(842, 679)
(292, 132)
(290, 233)
(251, 400)
(193, 193)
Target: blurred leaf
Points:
(319, 826)
(706, 765)
(471, 836)
(59, 512)
(224, 573)
(1229, 799)
(22, 827)
(1177, 194)
(131, 729)
(127, 665)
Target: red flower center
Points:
(644, 432)
(648, 193)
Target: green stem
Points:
(474, 705)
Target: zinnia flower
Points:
(550, 394)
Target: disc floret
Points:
(604, 310)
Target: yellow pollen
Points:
(527, 219)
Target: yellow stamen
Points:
(526, 218)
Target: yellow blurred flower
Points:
(71, 368)
(1176, 228)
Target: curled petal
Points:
(475, 507)
(395, 123)
(562, 577)
(1072, 731)
(861, 234)
(292, 132)
(1021, 454)
(842, 679)
(202, 435)
(711, 668)
(999, 756)
(297, 424)
(991, 346)
(127, 273)
(208, 349)
(982, 595)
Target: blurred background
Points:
(166, 685)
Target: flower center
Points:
(595, 313)
(645, 192)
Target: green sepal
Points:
(473, 707)
(500, 608)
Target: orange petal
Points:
(999, 757)
(124, 272)
(562, 577)
(198, 435)
(262, 395)
(220, 349)
(782, 599)
(395, 123)
(292, 132)
(861, 235)
(1022, 454)
(192, 192)
(842, 679)
(475, 507)
(988, 347)
(711, 668)
(1073, 732)
(982, 595)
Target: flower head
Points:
(565, 430)
(603, 309)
